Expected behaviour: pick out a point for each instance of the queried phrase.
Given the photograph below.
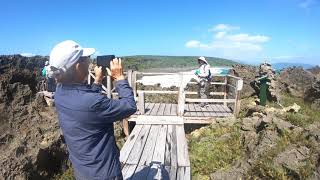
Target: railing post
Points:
(109, 95)
(141, 105)
(134, 83)
(225, 90)
(181, 97)
(129, 76)
(237, 102)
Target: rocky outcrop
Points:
(248, 74)
(296, 81)
(312, 95)
(30, 141)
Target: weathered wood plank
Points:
(211, 111)
(167, 157)
(206, 111)
(173, 111)
(192, 110)
(167, 110)
(222, 110)
(159, 120)
(148, 150)
(199, 110)
(137, 149)
(187, 110)
(129, 171)
(161, 109)
(159, 150)
(127, 147)
(173, 145)
(216, 110)
(150, 107)
(183, 173)
(182, 147)
(155, 109)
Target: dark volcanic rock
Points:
(248, 74)
(296, 81)
(30, 142)
(313, 95)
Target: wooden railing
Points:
(231, 86)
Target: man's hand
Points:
(99, 74)
(115, 70)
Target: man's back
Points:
(86, 118)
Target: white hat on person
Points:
(203, 59)
(65, 54)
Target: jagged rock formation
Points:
(30, 142)
(248, 74)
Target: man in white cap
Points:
(204, 76)
(85, 115)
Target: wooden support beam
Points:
(211, 100)
(141, 104)
(181, 97)
(225, 90)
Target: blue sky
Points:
(250, 31)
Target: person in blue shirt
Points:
(85, 115)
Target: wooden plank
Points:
(158, 120)
(150, 107)
(137, 149)
(127, 147)
(194, 120)
(155, 109)
(167, 157)
(222, 110)
(199, 110)
(173, 111)
(211, 111)
(187, 110)
(206, 111)
(173, 145)
(173, 172)
(161, 109)
(211, 100)
(182, 147)
(192, 110)
(216, 110)
(159, 150)
(183, 173)
(130, 169)
(167, 110)
(146, 157)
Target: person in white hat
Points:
(86, 116)
(204, 75)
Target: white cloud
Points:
(306, 4)
(27, 54)
(224, 27)
(248, 38)
(226, 43)
(220, 35)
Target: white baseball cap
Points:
(67, 53)
(203, 59)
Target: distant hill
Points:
(280, 66)
(144, 62)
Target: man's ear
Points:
(78, 67)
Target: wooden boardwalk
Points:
(156, 152)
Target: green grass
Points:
(304, 117)
(266, 169)
(210, 152)
(150, 62)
